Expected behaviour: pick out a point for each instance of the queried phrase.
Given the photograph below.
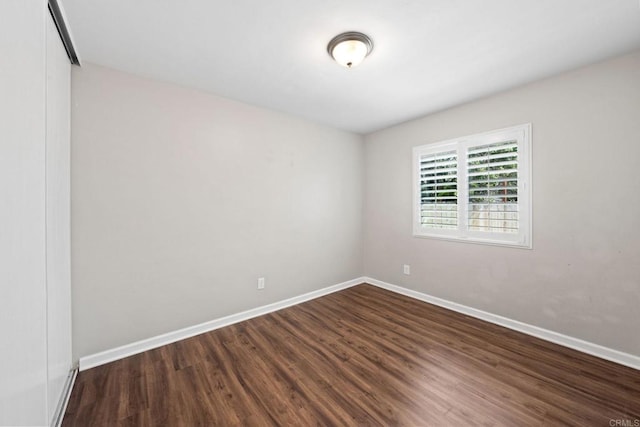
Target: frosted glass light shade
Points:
(350, 49)
(349, 53)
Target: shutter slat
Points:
(492, 166)
(493, 181)
(494, 189)
(428, 163)
(438, 170)
(439, 156)
(494, 156)
(506, 145)
(438, 174)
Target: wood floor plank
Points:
(362, 356)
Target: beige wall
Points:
(582, 277)
(181, 200)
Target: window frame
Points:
(523, 238)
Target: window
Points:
(475, 188)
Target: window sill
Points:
(486, 242)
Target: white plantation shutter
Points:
(492, 183)
(439, 190)
(475, 188)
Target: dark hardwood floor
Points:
(362, 356)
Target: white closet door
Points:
(23, 368)
(58, 218)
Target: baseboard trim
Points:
(64, 398)
(597, 350)
(127, 350)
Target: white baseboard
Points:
(64, 398)
(602, 352)
(121, 352)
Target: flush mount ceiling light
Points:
(350, 48)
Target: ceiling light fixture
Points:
(350, 48)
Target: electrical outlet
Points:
(260, 282)
(406, 269)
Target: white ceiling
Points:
(428, 54)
